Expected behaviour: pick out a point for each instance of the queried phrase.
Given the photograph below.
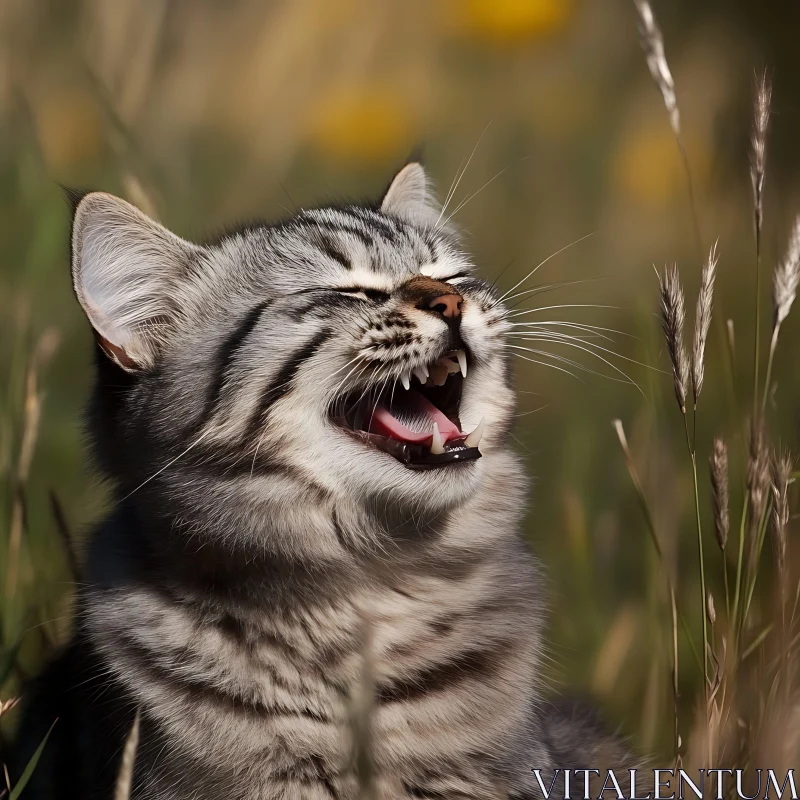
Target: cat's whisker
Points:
(546, 364)
(391, 396)
(169, 463)
(344, 380)
(532, 411)
(459, 175)
(550, 308)
(583, 336)
(548, 287)
(525, 327)
(378, 398)
(473, 196)
(564, 337)
(583, 367)
(260, 441)
(369, 387)
(345, 366)
(578, 325)
(554, 356)
(541, 264)
(586, 347)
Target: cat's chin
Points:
(376, 479)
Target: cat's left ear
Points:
(410, 197)
(129, 274)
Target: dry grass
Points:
(750, 698)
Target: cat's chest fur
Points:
(432, 664)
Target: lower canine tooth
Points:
(474, 439)
(437, 443)
(462, 361)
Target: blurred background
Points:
(207, 114)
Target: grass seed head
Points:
(758, 156)
(653, 46)
(673, 315)
(719, 488)
(787, 277)
(710, 609)
(702, 321)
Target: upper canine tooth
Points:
(405, 380)
(462, 361)
(437, 443)
(474, 438)
(422, 374)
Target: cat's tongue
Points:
(424, 413)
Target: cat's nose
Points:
(435, 297)
(448, 305)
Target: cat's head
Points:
(350, 349)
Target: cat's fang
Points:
(474, 438)
(437, 443)
(405, 379)
(462, 361)
(421, 374)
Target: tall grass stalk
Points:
(651, 528)
(672, 322)
(764, 503)
(740, 566)
(43, 352)
(124, 782)
(701, 557)
(652, 41)
(763, 101)
(779, 524)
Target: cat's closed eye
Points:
(376, 295)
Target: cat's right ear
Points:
(126, 270)
(410, 196)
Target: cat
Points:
(313, 578)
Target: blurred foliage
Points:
(208, 113)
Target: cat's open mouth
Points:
(416, 418)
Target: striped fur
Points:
(263, 569)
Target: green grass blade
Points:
(26, 775)
(757, 641)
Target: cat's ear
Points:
(410, 197)
(126, 270)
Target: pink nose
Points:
(448, 305)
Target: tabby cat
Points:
(312, 580)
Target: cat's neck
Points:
(272, 542)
